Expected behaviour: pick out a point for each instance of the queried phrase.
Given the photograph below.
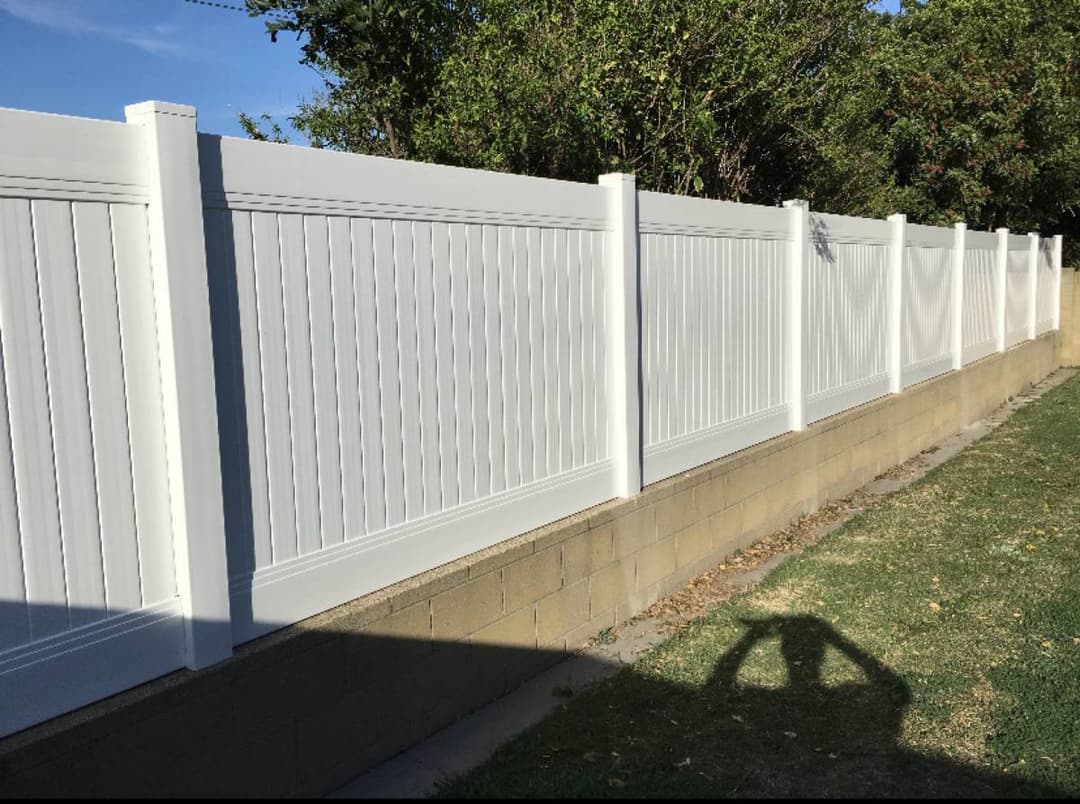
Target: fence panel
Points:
(411, 366)
(845, 310)
(980, 277)
(1017, 290)
(88, 600)
(412, 362)
(926, 309)
(713, 329)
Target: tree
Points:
(379, 59)
(952, 110)
(708, 97)
(980, 114)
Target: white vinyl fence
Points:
(242, 383)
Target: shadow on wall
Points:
(305, 714)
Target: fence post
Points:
(181, 300)
(1033, 283)
(624, 342)
(797, 263)
(1058, 243)
(1000, 285)
(897, 246)
(959, 235)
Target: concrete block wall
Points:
(1070, 318)
(303, 710)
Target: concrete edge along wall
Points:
(306, 708)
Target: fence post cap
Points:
(898, 216)
(796, 202)
(615, 179)
(135, 111)
(960, 225)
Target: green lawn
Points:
(931, 646)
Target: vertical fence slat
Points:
(14, 614)
(350, 445)
(523, 301)
(565, 460)
(301, 381)
(270, 304)
(575, 319)
(324, 379)
(444, 363)
(589, 364)
(509, 324)
(65, 362)
(428, 390)
(536, 355)
(477, 368)
(243, 261)
(492, 273)
(31, 434)
(367, 356)
(105, 382)
(408, 369)
(135, 302)
(386, 316)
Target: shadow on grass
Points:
(639, 737)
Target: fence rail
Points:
(241, 383)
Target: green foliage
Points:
(953, 109)
(379, 59)
(979, 112)
(254, 128)
(706, 97)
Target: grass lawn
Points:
(931, 646)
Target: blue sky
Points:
(90, 58)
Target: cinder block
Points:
(560, 613)
(610, 586)
(533, 577)
(634, 531)
(756, 510)
(747, 480)
(675, 513)
(586, 553)
(500, 556)
(655, 562)
(577, 637)
(692, 543)
(266, 768)
(725, 528)
(517, 630)
(468, 608)
(413, 622)
(636, 602)
(711, 496)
